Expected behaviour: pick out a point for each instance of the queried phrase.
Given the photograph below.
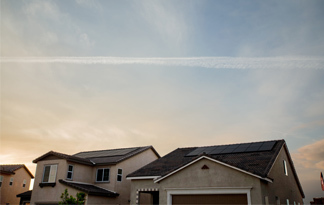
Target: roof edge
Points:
(214, 160)
(64, 156)
(143, 177)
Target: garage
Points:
(210, 199)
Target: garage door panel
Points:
(210, 199)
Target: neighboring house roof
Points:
(242, 156)
(64, 156)
(11, 168)
(113, 156)
(26, 194)
(90, 189)
(101, 157)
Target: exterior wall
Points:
(128, 166)
(9, 193)
(93, 200)
(81, 173)
(217, 178)
(49, 194)
(283, 187)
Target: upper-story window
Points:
(102, 175)
(119, 175)
(49, 174)
(1, 179)
(285, 167)
(70, 172)
(24, 183)
(11, 181)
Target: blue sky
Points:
(159, 79)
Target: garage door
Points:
(210, 199)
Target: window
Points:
(102, 175)
(11, 181)
(285, 168)
(287, 201)
(1, 179)
(49, 174)
(119, 175)
(24, 183)
(70, 172)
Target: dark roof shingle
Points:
(257, 162)
(101, 157)
(90, 189)
(11, 168)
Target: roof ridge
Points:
(112, 149)
(235, 143)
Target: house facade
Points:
(247, 173)
(14, 179)
(99, 174)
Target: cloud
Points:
(311, 156)
(166, 19)
(312, 152)
(205, 62)
(90, 4)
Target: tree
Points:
(68, 200)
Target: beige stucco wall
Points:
(128, 166)
(8, 194)
(284, 187)
(217, 176)
(49, 194)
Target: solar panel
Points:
(196, 152)
(235, 148)
(254, 147)
(105, 153)
(229, 149)
(208, 150)
(218, 149)
(241, 148)
(267, 146)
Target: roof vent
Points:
(205, 167)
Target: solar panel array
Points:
(235, 148)
(105, 153)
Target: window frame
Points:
(285, 167)
(103, 175)
(68, 171)
(11, 181)
(1, 180)
(49, 173)
(120, 175)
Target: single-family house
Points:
(14, 179)
(246, 173)
(98, 174)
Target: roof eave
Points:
(142, 177)
(214, 160)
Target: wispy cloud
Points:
(205, 62)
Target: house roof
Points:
(64, 156)
(11, 168)
(256, 158)
(101, 157)
(256, 162)
(26, 194)
(113, 156)
(90, 189)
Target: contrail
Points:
(205, 62)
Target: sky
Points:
(90, 75)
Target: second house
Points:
(99, 174)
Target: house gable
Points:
(206, 167)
